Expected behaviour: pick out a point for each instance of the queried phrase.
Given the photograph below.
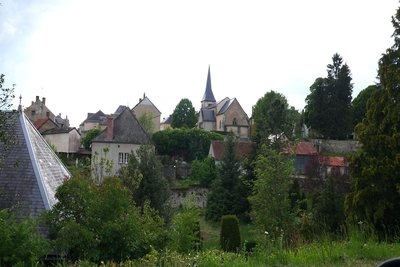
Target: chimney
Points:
(37, 98)
(44, 101)
(110, 128)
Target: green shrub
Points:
(230, 233)
(20, 241)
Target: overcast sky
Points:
(85, 56)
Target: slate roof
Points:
(31, 172)
(120, 109)
(207, 114)
(226, 105)
(208, 94)
(60, 130)
(99, 116)
(126, 129)
(146, 102)
(242, 149)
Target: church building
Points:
(226, 115)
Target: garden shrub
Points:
(230, 233)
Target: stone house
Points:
(123, 134)
(166, 123)
(65, 140)
(145, 106)
(38, 110)
(30, 172)
(226, 115)
(93, 120)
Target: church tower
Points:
(208, 97)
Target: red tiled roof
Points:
(242, 149)
(305, 148)
(333, 161)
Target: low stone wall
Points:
(179, 196)
(336, 146)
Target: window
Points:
(47, 114)
(234, 122)
(123, 158)
(220, 124)
(32, 113)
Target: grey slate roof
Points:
(60, 130)
(225, 106)
(207, 114)
(99, 116)
(208, 94)
(31, 172)
(120, 109)
(126, 129)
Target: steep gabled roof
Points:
(208, 94)
(125, 129)
(99, 116)
(120, 109)
(207, 114)
(31, 172)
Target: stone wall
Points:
(336, 146)
(179, 196)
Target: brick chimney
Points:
(110, 127)
(44, 101)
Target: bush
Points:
(21, 243)
(204, 171)
(230, 233)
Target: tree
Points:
(143, 176)
(228, 193)
(204, 171)
(184, 115)
(89, 136)
(100, 222)
(187, 144)
(328, 108)
(375, 180)
(146, 121)
(270, 205)
(273, 118)
(6, 97)
(359, 104)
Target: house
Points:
(31, 172)
(145, 106)
(123, 134)
(243, 149)
(333, 166)
(166, 123)
(226, 115)
(44, 124)
(38, 110)
(305, 155)
(66, 140)
(93, 120)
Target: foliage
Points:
(328, 108)
(328, 207)
(146, 121)
(230, 233)
(21, 243)
(188, 144)
(228, 192)
(89, 136)
(374, 196)
(273, 118)
(270, 198)
(359, 104)
(143, 176)
(204, 171)
(101, 166)
(184, 115)
(100, 222)
(185, 229)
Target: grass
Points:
(184, 183)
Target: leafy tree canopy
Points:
(146, 121)
(90, 135)
(273, 118)
(184, 115)
(188, 144)
(359, 103)
(328, 108)
(375, 179)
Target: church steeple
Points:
(208, 97)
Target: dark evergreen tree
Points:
(184, 115)
(328, 109)
(228, 193)
(359, 104)
(375, 179)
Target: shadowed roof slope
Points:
(125, 129)
(208, 94)
(31, 172)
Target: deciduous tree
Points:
(359, 104)
(184, 115)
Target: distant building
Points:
(243, 149)
(93, 120)
(39, 111)
(145, 106)
(31, 172)
(166, 123)
(226, 115)
(122, 135)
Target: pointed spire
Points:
(208, 94)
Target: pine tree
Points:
(375, 179)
